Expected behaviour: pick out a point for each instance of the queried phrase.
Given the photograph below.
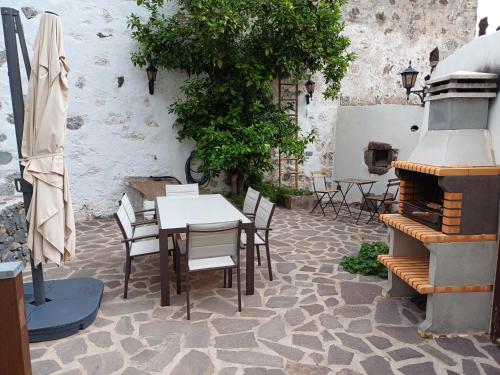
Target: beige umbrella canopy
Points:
(51, 235)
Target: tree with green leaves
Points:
(233, 51)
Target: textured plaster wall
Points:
(120, 131)
(112, 131)
(384, 35)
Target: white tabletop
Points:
(177, 212)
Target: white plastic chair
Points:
(182, 190)
(263, 218)
(141, 228)
(213, 246)
(251, 202)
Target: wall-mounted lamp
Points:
(310, 90)
(409, 78)
(151, 70)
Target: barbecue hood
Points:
(458, 133)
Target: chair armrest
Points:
(145, 210)
(134, 239)
(144, 222)
(266, 229)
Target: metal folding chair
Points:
(375, 202)
(321, 190)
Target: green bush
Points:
(365, 263)
(236, 199)
(272, 192)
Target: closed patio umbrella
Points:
(51, 235)
(54, 308)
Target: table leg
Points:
(250, 259)
(164, 276)
(363, 200)
(344, 197)
(330, 201)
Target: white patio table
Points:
(174, 213)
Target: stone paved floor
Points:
(313, 319)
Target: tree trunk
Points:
(234, 184)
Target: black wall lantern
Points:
(310, 90)
(409, 78)
(151, 70)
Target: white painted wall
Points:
(128, 132)
(380, 123)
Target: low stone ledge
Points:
(298, 201)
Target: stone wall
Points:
(385, 35)
(12, 230)
(113, 130)
(116, 129)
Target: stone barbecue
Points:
(443, 240)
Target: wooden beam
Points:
(415, 272)
(426, 234)
(14, 347)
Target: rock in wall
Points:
(116, 129)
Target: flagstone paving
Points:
(313, 318)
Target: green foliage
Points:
(366, 262)
(237, 199)
(269, 190)
(233, 51)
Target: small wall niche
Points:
(379, 156)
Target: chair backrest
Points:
(124, 222)
(394, 184)
(251, 202)
(125, 202)
(264, 213)
(318, 181)
(213, 240)
(182, 190)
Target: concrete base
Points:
(397, 288)
(450, 264)
(456, 313)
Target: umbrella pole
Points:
(12, 25)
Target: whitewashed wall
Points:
(123, 131)
(359, 125)
(118, 131)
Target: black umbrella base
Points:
(72, 305)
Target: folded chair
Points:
(251, 202)
(213, 246)
(375, 202)
(322, 191)
(182, 190)
(263, 218)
